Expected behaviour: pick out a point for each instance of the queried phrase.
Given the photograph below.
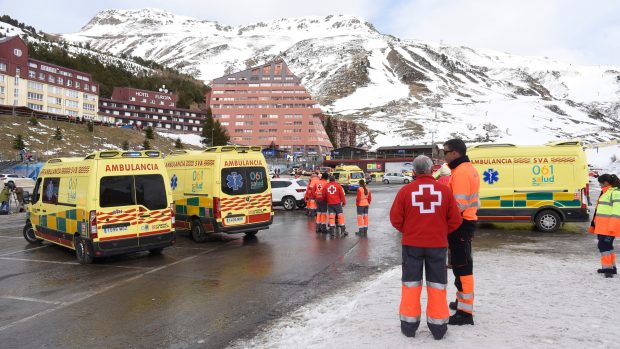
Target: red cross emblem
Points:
(319, 187)
(426, 198)
(332, 190)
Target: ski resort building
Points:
(42, 86)
(268, 106)
(130, 106)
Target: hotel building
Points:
(266, 106)
(43, 86)
(130, 106)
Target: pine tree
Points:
(149, 134)
(207, 129)
(125, 145)
(178, 144)
(18, 143)
(220, 135)
(329, 129)
(33, 121)
(58, 134)
(213, 128)
(146, 145)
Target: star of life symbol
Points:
(234, 181)
(332, 190)
(426, 204)
(491, 176)
(174, 181)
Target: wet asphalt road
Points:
(204, 295)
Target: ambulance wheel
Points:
(547, 221)
(289, 203)
(198, 231)
(385, 181)
(29, 234)
(81, 251)
(156, 251)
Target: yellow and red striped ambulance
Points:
(222, 189)
(110, 202)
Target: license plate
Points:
(235, 220)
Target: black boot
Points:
(453, 305)
(438, 331)
(409, 329)
(614, 270)
(461, 318)
(609, 275)
(343, 231)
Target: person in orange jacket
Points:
(465, 185)
(309, 196)
(334, 196)
(363, 200)
(606, 222)
(321, 214)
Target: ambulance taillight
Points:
(92, 222)
(217, 210)
(172, 217)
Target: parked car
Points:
(288, 193)
(393, 177)
(4, 176)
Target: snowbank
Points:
(186, 138)
(601, 157)
(523, 300)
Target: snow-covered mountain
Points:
(404, 91)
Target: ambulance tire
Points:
(288, 202)
(548, 221)
(198, 231)
(81, 251)
(156, 251)
(29, 234)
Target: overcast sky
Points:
(576, 31)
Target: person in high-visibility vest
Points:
(426, 214)
(309, 196)
(363, 200)
(465, 185)
(606, 222)
(336, 200)
(321, 214)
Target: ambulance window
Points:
(151, 192)
(50, 190)
(257, 178)
(116, 191)
(357, 175)
(36, 191)
(244, 180)
(336, 175)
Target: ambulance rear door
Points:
(245, 196)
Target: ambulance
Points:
(108, 203)
(222, 189)
(544, 184)
(348, 176)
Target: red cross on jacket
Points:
(334, 194)
(425, 212)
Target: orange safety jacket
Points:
(363, 199)
(465, 185)
(310, 189)
(607, 217)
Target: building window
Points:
(35, 106)
(32, 74)
(2, 67)
(54, 100)
(60, 81)
(51, 79)
(41, 76)
(93, 88)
